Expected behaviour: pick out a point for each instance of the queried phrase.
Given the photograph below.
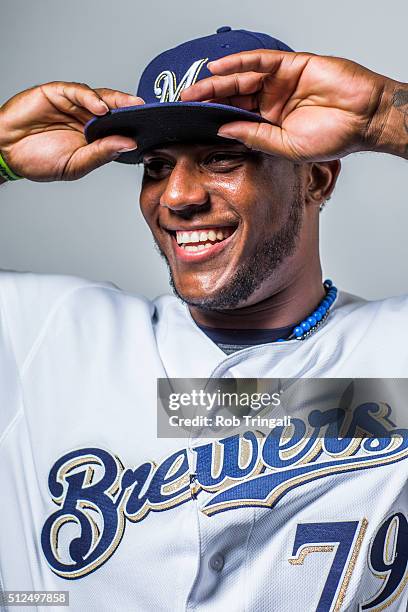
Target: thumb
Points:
(92, 156)
(258, 136)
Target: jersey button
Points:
(216, 562)
(224, 29)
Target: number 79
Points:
(388, 558)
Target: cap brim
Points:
(162, 123)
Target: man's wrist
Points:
(389, 129)
(6, 172)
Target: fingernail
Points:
(224, 134)
(104, 105)
(126, 149)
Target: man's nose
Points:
(184, 189)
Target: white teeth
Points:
(202, 236)
(191, 248)
(200, 247)
(208, 245)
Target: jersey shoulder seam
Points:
(53, 310)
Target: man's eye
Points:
(157, 168)
(224, 159)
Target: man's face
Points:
(226, 220)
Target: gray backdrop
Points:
(93, 227)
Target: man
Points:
(240, 154)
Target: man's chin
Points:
(199, 293)
(231, 296)
(202, 300)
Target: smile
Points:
(201, 243)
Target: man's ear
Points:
(321, 181)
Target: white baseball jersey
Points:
(93, 503)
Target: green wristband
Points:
(6, 172)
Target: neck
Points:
(287, 305)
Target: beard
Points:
(266, 259)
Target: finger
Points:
(92, 156)
(263, 60)
(118, 99)
(249, 102)
(67, 97)
(223, 87)
(258, 136)
(78, 116)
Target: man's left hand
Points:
(318, 108)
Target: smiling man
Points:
(240, 138)
(229, 222)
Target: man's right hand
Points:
(41, 131)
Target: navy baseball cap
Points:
(164, 119)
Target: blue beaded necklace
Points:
(311, 324)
